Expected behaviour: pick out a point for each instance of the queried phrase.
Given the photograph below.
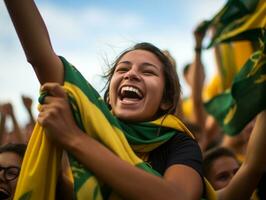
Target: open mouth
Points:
(130, 93)
(4, 194)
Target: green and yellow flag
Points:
(230, 58)
(246, 98)
(239, 26)
(239, 20)
(130, 142)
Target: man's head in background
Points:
(11, 156)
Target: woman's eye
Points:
(149, 72)
(121, 69)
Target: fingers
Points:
(54, 104)
(45, 114)
(54, 108)
(54, 89)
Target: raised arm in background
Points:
(2, 123)
(15, 134)
(197, 78)
(56, 117)
(197, 72)
(247, 177)
(27, 101)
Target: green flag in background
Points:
(239, 20)
(247, 97)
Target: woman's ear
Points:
(108, 99)
(165, 105)
(108, 102)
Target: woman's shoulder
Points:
(181, 136)
(180, 149)
(181, 144)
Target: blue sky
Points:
(91, 33)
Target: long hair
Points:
(171, 93)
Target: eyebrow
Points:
(8, 167)
(145, 64)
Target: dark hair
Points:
(213, 154)
(172, 91)
(195, 129)
(19, 149)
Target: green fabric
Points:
(235, 15)
(137, 134)
(130, 142)
(247, 97)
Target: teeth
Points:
(128, 88)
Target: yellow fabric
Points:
(255, 196)
(227, 65)
(35, 172)
(242, 51)
(187, 108)
(39, 171)
(230, 59)
(213, 88)
(240, 157)
(253, 21)
(211, 194)
(115, 138)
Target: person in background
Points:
(219, 166)
(27, 102)
(223, 169)
(238, 143)
(2, 124)
(193, 105)
(11, 156)
(15, 135)
(142, 87)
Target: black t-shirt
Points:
(180, 149)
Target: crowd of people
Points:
(17, 134)
(177, 138)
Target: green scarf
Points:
(38, 182)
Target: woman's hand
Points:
(56, 116)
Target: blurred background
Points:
(91, 33)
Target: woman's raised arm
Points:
(35, 40)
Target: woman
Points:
(142, 87)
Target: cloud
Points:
(204, 10)
(86, 23)
(85, 36)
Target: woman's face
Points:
(136, 87)
(222, 171)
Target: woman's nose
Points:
(132, 75)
